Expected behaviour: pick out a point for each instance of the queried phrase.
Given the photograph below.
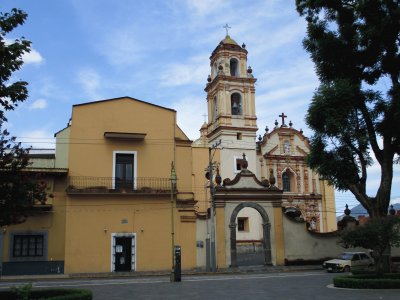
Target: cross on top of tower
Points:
(283, 116)
(205, 117)
(226, 28)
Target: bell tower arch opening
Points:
(234, 67)
(236, 104)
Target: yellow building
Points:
(117, 206)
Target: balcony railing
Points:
(104, 185)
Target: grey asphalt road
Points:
(291, 285)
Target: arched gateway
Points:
(266, 225)
(245, 190)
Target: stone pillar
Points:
(267, 243)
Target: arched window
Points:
(236, 104)
(214, 109)
(234, 67)
(286, 181)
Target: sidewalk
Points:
(238, 270)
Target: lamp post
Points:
(173, 186)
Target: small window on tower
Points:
(239, 136)
(238, 165)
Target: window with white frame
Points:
(124, 170)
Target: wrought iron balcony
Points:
(107, 185)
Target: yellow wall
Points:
(92, 219)
(90, 154)
(53, 222)
(91, 223)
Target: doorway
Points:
(262, 253)
(123, 252)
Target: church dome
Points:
(228, 44)
(229, 40)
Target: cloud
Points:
(121, 47)
(90, 81)
(193, 72)
(38, 139)
(205, 7)
(32, 57)
(39, 104)
(190, 112)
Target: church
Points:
(129, 186)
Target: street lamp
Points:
(173, 187)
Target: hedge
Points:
(368, 281)
(51, 294)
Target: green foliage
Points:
(23, 292)
(18, 192)
(48, 294)
(355, 48)
(378, 234)
(384, 281)
(11, 60)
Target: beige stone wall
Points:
(300, 244)
(62, 148)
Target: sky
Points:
(158, 51)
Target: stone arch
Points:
(266, 232)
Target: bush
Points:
(50, 294)
(368, 281)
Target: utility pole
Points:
(212, 205)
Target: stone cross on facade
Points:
(205, 118)
(226, 28)
(283, 116)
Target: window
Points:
(239, 136)
(243, 224)
(28, 246)
(234, 67)
(286, 181)
(124, 171)
(236, 104)
(238, 164)
(355, 257)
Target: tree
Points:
(377, 234)
(18, 192)
(11, 93)
(355, 112)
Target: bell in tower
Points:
(231, 105)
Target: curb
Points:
(160, 273)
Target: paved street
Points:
(290, 285)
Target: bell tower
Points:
(231, 107)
